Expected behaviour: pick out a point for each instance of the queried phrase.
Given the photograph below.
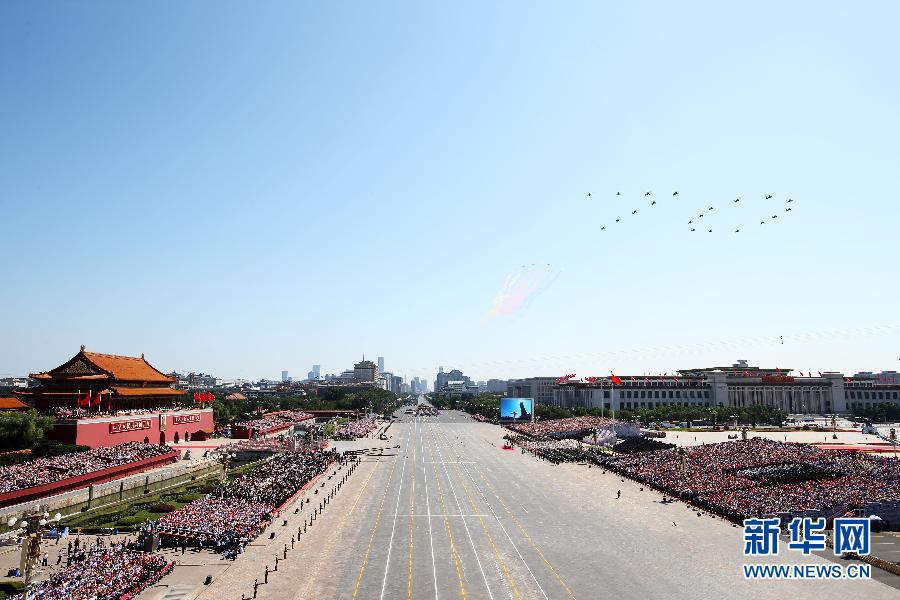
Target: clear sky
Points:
(241, 188)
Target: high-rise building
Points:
(284, 377)
(365, 370)
(381, 364)
(496, 386)
(443, 378)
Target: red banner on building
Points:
(123, 426)
(181, 419)
(777, 379)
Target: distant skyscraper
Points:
(314, 374)
(365, 370)
(284, 376)
(381, 364)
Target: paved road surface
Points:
(449, 514)
(455, 516)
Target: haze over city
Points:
(481, 300)
(241, 192)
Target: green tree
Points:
(21, 430)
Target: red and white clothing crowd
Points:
(238, 511)
(756, 477)
(272, 421)
(357, 429)
(42, 471)
(103, 572)
(570, 427)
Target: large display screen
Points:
(516, 409)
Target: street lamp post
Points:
(31, 527)
(226, 458)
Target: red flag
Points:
(97, 400)
(616, 380)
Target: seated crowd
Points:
(272, 421)
(103, 573)
(238, 511)
(551, 449)
(357, 429)
(216, 522)
(756, 477)
(68, 412)
(42, 471)
(570, 427)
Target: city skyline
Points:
(187, 174)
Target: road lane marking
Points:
(387, 561)
(525, 533)
(465, 523)
(428, 508)
(503, 528)
(453, 553)
(362, 568)
(501, 564)
(412, 515)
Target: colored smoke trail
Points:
(519, 288)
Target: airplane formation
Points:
(708, 210)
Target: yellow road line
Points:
(362, 567)
(509, 579)
(412, 522)
(453, 552)
(525, 533)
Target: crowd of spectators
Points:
(237, 511)
(101, 572)
(357, 429)
(550, 449)
(42, 471)
(70, 413)
(756, 477)
(272, 422)
(560, 428)
(215, 522)
(278, 479)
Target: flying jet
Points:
(602, 228)
(618, 193)
(689, 222)
(692, 229)
(737, 230)
(617, 220)
(589, 195)
(774, 216)
(675, 194)
(634, 212)
(790, 199)
(710, 208)
(652, 203)
(769, 197)
(788, 209)
(700, 216)
(710, 230)
(737, 199)
(647, 194)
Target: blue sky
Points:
(241, 189)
